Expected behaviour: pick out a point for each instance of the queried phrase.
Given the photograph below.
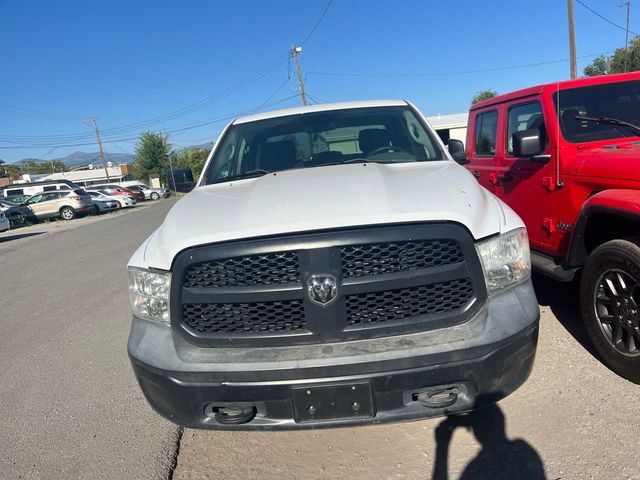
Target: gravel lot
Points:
(72, 409)
(573, 419)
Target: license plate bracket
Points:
(332, 402)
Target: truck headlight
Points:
(149, 294)
(505, 259)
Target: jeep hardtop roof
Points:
(564, 85)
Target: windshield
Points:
(619, 101)
(377, 134)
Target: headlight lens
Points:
(505, 259)
(149, 294)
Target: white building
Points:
(450, 126)
(93, 175)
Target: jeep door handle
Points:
(476, 174)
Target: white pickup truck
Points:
(334, 266)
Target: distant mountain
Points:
(84, 158)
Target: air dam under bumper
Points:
(400, 378)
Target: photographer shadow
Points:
(500, 458)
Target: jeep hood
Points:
(614, 162)
(323, 198)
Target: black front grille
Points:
(266, 269)
(242, 318)
(393, 257)
(391, 305)
(391, 280)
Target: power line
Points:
(273, 94)
(315, 27)
(604, 18)
(175, 130)
(442, 74)
(76, 137)
(32, 112)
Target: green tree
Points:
(152, 155)
(13, 171)
(483, 95)
(621, 61)
(193, 158)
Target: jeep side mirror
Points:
(456, 150)
(527, 143)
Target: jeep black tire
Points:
(67, 213)
(610, 301)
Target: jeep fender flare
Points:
(623, 204)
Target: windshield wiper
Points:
(249, 174)
(610, 121)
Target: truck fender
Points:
(623, 204)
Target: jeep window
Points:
(620, 101)
(524, 117)
(376, 134)
(486, 134)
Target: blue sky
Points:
(128, 62)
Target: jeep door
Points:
(483, 146)
(528, 183)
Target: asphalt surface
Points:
(70, 406)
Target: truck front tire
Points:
(610, 301)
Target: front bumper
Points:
(482, 361)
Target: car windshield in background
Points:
(375, 134)
(616, 102)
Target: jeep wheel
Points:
(610, 297)
(67, 213)
(155, 195)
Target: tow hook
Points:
(438, 398)
(232, 415)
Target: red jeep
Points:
(566, 157)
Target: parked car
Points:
(17, 214)
(117, 190)
(66, 204)
(566, 157)
(150, 193)
(104, 205)
(5, 224)
(123, 200)
(334, 266)
(32, 188)
(17, 199)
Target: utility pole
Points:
(626, 42)
(295, 51)
(104, 160)
(572, 41)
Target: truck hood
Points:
(324, 198)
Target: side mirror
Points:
(456, 150)
(527, 143)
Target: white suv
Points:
(334, 266)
